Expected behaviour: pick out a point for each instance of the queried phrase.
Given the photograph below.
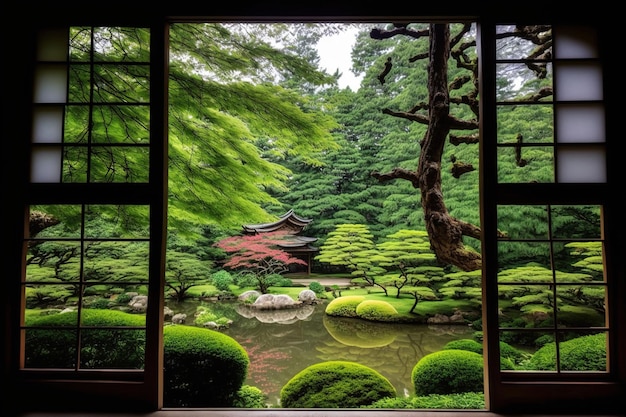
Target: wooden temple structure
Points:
(296, 244)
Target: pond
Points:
(281, 343)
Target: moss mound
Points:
(376, 310)
(465, 344)
(335, 384)
(203, 367)
(448, 372)
(344, 306)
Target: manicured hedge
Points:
(202, 367)
(585, 353)
(335, 384)
(101, 348)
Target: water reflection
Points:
(286, 316)
(281, 343)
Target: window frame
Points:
(515, 392)
(501, 394)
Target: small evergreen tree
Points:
(351, 246)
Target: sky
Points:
(334, 54)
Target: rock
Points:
(307, 297)
(139, 303)
(249, 294)
(456, 318)
(179, 318)
(273, 302)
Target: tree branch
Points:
(398, 173)
(408, 116)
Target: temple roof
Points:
(299, 244)
(289, 222)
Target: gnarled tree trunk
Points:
(445, 232)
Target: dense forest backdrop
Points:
(257, 128)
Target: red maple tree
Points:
(259, 256)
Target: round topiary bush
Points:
(202, 367)
(509, 356)
(450, 371)
(250, 397)
(335, 384)
(103, 348)
(376, 310)
(585, 353)
(465, 344)
(344, 306)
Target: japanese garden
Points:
(323, 243)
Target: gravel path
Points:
(342, 282)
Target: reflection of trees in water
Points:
(279, 350)
(283, 316)
(264, 363)
(190, 307)
(359, 333)
(393, 349)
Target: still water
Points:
(281, 343)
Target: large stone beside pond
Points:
(249, 294)
(456, 318)
(139, 304)
(307, 297)
(274, 302)
(282, 316)
(277, 301)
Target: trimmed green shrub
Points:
(317, 288)
(250, 397)
(376, 310)
(123, 299)
(506, 364)
(585, 353)
(509, 356)
(222, 280)
(466, 400)
(448, 372)
(98, 303)
(204, 315)
(202, 367)
(101, 348)
(344, 306)
(465, 344)
(515, 355)
(335, 384)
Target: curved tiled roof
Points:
(289, 221)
